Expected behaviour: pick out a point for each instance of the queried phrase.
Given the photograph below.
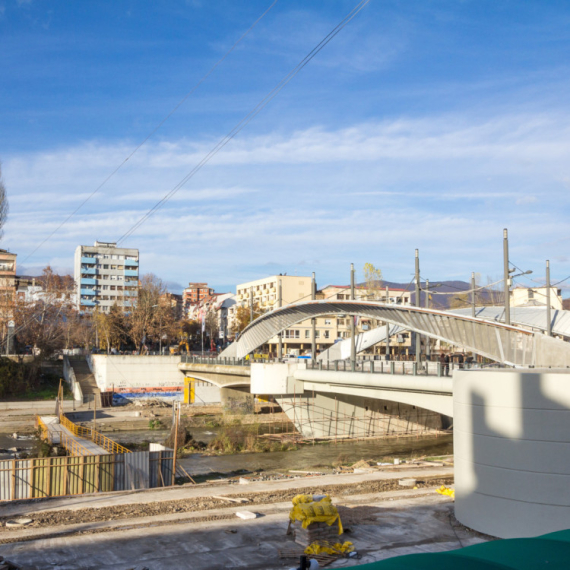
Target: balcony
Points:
(88, 270)
(89, 260)
(88, 291)
(131, 273)
(87, 303)
(131, 262)
(87, 281)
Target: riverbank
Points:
(197, 527)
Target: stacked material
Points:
(314, 519)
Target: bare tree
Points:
(150, 317)
(3, 203)
(373, 279)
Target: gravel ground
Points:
(133, 511)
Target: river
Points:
(306, 457)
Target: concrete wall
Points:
(134, 377)
(206, 393)
(512, 451)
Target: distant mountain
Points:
(438, 301)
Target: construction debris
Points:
(246, 515)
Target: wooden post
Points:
(175, 447)
(81, 473)
(13, 493)
(48, 477)
(94, 416)
(97, 466)
(66, 478)
(160, 467)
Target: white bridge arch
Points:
(497, 341)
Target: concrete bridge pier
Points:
(321, 405)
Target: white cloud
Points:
(372, 192)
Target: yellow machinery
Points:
(178, 349)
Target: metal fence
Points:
(58, 476)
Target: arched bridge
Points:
(497, 341)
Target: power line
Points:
(249, 117)
(176, 107)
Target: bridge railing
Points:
(406, 367)
(93, 435)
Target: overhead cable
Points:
(249, 117)
(154, 130)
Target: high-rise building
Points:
(194, 294)
(7, 283)
(106, 275)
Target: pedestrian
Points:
(447, 364)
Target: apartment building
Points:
(7, 283)
(195, 294)
(298, 339)
(106, 275)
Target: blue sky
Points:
(429, 125)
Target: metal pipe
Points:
(313, 320)
(280, 335)
(427, 338)
(387, 326)
(506, 275)
(352, 327)
(548, 311)
(418, 337)
(473, 294)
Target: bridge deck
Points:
(60, 435)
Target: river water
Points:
(306, 457)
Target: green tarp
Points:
(550, 551)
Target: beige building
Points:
(298, 339)
(535, 297)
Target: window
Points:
(105, 267)
(340, 322)
(307, 334)
(317, 334)
(530, 294)
(338, 334)
(105, 287)
(327, 334)
(340, 297)
(327, 321)
(113, 267)
(292, 334)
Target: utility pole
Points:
(387, 326)
(418, 337)
(313, 320)
(280, 335)
(427, 307)
(251, 304)
(548, 314)
(507, 278)
(473, 294)
(352, 327)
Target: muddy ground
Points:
(88, 515)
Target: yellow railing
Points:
(93, 435)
